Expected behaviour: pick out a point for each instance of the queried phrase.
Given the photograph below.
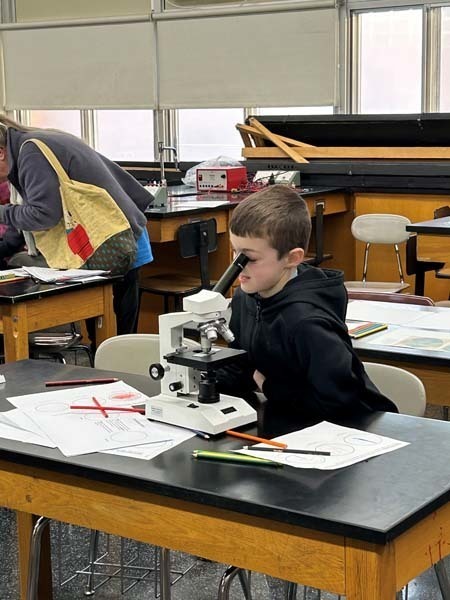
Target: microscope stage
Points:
(196, 359)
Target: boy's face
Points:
(265, 273)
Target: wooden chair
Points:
(319, 255)
(198, 238)
(442, 272)
(418, 267)
(380, 229)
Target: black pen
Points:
(288, 451)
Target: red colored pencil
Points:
(118, 408)
(100, 407)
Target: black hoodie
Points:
(298, 340)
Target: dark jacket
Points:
(299, 341)
(37, 183)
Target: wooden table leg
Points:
(369, 571)
(106, 323)
(15, 332)
(25, 524)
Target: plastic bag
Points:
(221, 161)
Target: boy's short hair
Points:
(278, 214)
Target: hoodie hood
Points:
(321, 289)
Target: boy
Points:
(290, 318)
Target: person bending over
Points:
(27, 169)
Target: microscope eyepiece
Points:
(227, 279)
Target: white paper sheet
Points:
(347, 446)
(55, 275)
(22, 430)
(84, 431)
(382, 312)
(174, 436)
(408, 337)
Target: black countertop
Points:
(27, 289)
(180, 194)
(433, 227)
(375, 500)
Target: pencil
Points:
(288, 451)
(233, 457)
(118, 408)
(253, 438)
(81, 381)
(100, 407)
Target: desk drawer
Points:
(165, 230)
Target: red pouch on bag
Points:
(79, 242)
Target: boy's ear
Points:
(295, 257)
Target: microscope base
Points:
(186, 411)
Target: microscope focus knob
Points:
(175, 386)
(156, 371)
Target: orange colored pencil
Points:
(253, 438)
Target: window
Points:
(66, 120)
(208, 133)
(125, 134)
(444, 104)
(390, 62)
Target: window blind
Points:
(108, 66)
(277, 59)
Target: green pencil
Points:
(234, 457)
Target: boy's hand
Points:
(259, 379)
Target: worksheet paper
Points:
(173, 435)
(48, 275)
(347, 446)
(382, 312)
(10, 432)
(83, 431)
(418, 339)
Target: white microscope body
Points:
(188, 396)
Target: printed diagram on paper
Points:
(346, 445)
(421, 339)
(77, 432)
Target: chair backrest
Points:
(442, 211)
(131, 353)
(386, 297)
(198, 238)
(380, 228)
(405, 390)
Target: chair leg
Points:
(93, 547)
(226, 581)
(291, 591)
(443, 580)
(35, 558)
(164, 569)
(366, 260)
(245, 578)
(399, 263)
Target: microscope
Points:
(188, 395)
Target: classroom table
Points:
(434, 227)
(363, 531)
(431, 366)
(27, 306)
